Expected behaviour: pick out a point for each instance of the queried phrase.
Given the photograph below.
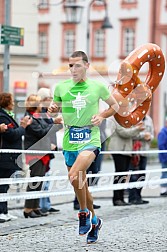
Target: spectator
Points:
(10, 138)
(46, 98)
(144, 140)
(162, 145)
(121, 140)
(37, 137)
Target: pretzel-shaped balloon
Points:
(134, 97)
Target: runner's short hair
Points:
(79, 54)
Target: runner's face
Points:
(78, 69)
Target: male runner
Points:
(79, 101)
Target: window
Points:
(69, 46)
(68, 40)
(163, 43)
(129, 1)
(43, 40)
(129, 4)
(99, 36)
(43, 4)
(98, 5)
(2, 7)
(70, 1)
(129, 40)
(97, 41)
(128, 35)
(43, 44)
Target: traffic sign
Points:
(12, 41)
(10, 35)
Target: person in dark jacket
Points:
(37, 137)
(46, 98)
(162, 145)
(11, 138)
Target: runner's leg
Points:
(77, 176)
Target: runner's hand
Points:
(96, 120)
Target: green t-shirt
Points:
(79, 103)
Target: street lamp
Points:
(74, 13)
(106, 23)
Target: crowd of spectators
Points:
(39, 131)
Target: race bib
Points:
(79, 135)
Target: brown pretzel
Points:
(134, 97)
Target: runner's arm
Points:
(113, 108)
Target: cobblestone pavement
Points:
(130, 228)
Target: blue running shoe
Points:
(85, 223)
(93, 235)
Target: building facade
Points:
(50, 39)
(23, 59)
